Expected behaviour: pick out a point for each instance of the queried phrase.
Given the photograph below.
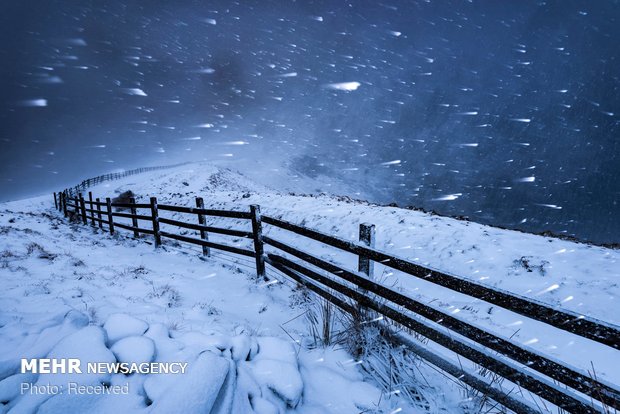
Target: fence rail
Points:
(567, 387)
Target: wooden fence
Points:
(569, 388)
(89, 182)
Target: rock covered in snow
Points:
(244, 347)
(197, 391)
(275, 369)
(166, 347)
(281, 377)
(270, 347)
(120, 325)
(31, 342)
(94, 404)
(344, 396)
(10, 387)
(87, 345)
(134, 349)
(200, 342)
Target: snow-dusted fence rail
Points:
(569, 388)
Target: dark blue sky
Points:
(506, 112)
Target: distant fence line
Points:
(85, 184)
(569, 388)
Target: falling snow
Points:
(466, 96)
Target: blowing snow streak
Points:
(325, 97)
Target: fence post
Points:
(134, 221)
(155, 216)
(64, 203)
(367, 237)
(257, 232)
(366, 266)
(201, 220)
(76, 200)
(99, 212)
(83, 207)
(55, 201)
(108, 203)
(92, 208)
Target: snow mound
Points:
(243, 348)
(196, 392)
(22, 340)
(275, 369)
(87, 345)
(93, 404)
(279, 378)
(120, 325)
(166, 346)
(199, 342)
(344, 395)
(10, 387)
(136, 349)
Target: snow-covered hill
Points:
(60, 278)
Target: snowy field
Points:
(70, 290)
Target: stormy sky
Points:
(507, 112)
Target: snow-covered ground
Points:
(71, 292)
(67, 287)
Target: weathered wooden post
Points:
(99, 213)
(201, 220)
(108, 203)
(55, 201)
(76, 200)
(64, 203)
(134, 221)
(92, 208)
(155, 216)
(83, 207)
(367, 237)
(257, 233)
(365, 265)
